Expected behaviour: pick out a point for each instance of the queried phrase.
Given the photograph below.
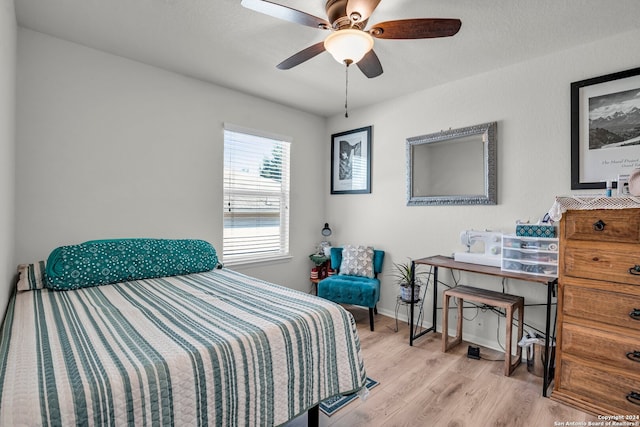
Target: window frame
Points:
(284, 194)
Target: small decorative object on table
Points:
(634, 183)
(322, 263)
(536, 230)
(325, 246)
(623, 185)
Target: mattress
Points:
(214, 348)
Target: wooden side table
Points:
(322, 265)
(314, 286)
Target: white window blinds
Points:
(256, 195)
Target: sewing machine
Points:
(489, 254)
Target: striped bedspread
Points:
(216, 348)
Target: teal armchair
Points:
(353, 289)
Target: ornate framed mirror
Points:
(454, 167)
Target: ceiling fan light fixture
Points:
(348, 45)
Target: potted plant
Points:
(402, 274)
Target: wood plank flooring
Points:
(422, 386)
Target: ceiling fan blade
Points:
(302, 56)
(286, 13)
(370, 65)
(421, 28)
(364, 8)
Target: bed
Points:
(209, 348)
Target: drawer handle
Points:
(599, 225)
(635, 270)
(634, 355)
(634, 397)
(635, 314)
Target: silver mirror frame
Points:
(490, 141)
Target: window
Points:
(256, 195)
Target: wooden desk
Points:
(438, 261)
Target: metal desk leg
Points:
(435, 297)
(412, 328)
(413, 285)
(545, 381)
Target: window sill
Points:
(258, 261)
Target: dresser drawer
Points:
(596, 386)
(595, 263)
(602, 346)
(601, 306)
(611, 225)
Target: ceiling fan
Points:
(349, 42)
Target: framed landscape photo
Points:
(605, 129)
(351, 161)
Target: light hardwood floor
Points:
(422, 386)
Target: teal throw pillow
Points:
(102, 262)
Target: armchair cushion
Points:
(357, 261)
(356, 290)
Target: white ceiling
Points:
(221, 42)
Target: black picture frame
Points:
(351, 161)
(603, 146)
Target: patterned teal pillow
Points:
(101, 262)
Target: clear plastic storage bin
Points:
(532, 255)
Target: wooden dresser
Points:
(598, 344)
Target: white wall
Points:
(109, 147)
(86, 168)
(8, 31)
(531, 103)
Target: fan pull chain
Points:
(346, 90)
(346, 86)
